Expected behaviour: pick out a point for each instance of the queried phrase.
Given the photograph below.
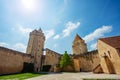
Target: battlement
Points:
(88, 54)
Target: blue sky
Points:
(60, 20)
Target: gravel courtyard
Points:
(75, 76)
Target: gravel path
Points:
(75, 76)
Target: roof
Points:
(77, 37)
(112, 41)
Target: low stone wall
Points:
(12, 61)
(88, 61)
(52, 57)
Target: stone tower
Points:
(35, 48)
(79, 46)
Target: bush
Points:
(66, 60)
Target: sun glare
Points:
(29, 4)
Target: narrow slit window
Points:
(109, 54)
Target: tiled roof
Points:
(112, 41)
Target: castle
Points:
(106, 59)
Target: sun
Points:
(29, 5)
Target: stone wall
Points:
(12, 61)
(88, 61)
(109, 58)
(51, 58)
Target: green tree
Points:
(66, 60)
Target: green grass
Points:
(20, 76)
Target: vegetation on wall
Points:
(66, 60)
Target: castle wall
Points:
(52, 58)
(76, 65)
(12, 61)
(88, 61)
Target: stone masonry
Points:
(79, 46)
(106, 58)
(35, 48)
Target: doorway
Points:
(109, 65)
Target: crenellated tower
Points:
(79, 45)
(35, 48)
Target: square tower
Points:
(35, 48)
(79, 45)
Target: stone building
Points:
(109, 53)
(106, 58)
(79, 46)
(12, 61)
(35, 48)
(83, 60)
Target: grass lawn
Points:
(20, 76)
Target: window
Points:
(105, 54)
(109, 54)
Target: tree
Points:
(66, 60)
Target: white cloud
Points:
(70, 26)
(56, 36)
(4, 44)
(93, 46)
(23, 29)
(49, 33)
(97, 33)
(19, 47)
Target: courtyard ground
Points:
(76, 76)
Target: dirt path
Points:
(75, 76)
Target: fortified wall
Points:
(52, 58)
(12, 61)
(87, 61)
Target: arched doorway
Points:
(109, 65)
